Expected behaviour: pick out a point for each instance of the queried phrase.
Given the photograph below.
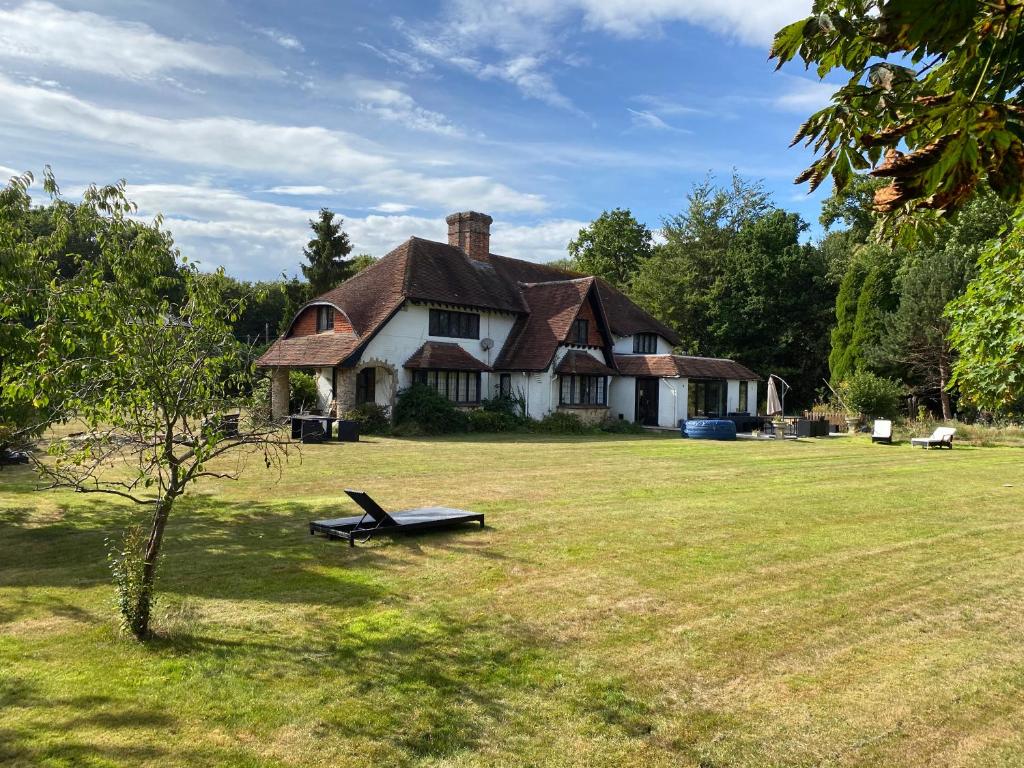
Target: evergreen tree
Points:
(326, 254)
(917, 333)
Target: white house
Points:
(473, 324)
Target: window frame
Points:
(645, 343)
(441, 380)
(700, 389)
(505, 385)
(580, 333)
(743, 399)
(324, 318)
(365, 394)
(453, 324)
(583, 391)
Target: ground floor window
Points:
(458, 386)
(366, 386)
(583, 390)
(505, 385)
(706, 399)
(743, 398)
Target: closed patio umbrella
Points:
(776, 400)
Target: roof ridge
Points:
(582, 279)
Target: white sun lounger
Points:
(942, 437)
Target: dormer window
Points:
(324, 319)
(645, 343)
(579, 333)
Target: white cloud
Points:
(473, 27)
(754, 22)
(804, 95)
(647, 119)
(412, 64)
(392, 207)
(388, 102)
(43, 33)
(293, 153)
(254, 239)
(666, 106)
(299, 190)
(526, 74)
(282, 39)
(545, 241)
(515, 40)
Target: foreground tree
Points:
(155, 385)
(938, 130)
(957, 110)
(327, 254)
(614, 247)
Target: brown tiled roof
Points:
(320, 349)
(672, 366)
(446, 356)
(424, 270)
(624, 317)
(577, 361)
(534, 337)
(371, 296)
(714, 368)
(647, 365)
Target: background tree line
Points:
(735, 276)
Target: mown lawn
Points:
(637, 601)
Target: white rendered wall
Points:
(622, 397)
(541, 394)
(624, 346)
(408, 329)
(732, 396)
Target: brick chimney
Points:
(470, 231)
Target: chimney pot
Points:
(470, 231)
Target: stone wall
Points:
(587, 414)
(280, 393)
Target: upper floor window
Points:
(461, 325)
(580, 332)
(645, 343)
(324, 319)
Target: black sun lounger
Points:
(375, 521)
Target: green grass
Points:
(634, 600)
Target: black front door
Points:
(647, 401)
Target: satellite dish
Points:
(486, 344)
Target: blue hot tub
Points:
(709, 429)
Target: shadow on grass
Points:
(213, 548)
(63, 729)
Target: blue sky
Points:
(238, 121)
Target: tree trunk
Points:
(140, 617)
(947, 411)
